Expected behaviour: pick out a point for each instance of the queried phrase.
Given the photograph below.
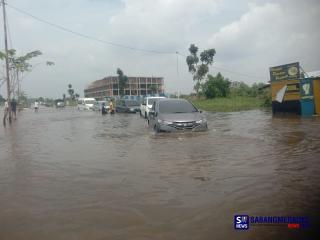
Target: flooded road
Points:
(66, 174)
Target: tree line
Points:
(210, 86)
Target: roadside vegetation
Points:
(229, 104)
(72, 100)
(217, 93)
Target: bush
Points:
(216, 86)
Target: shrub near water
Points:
(228, 104)
(220, 94)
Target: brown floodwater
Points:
(66, 174)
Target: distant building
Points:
(136, 86)
(235, 84)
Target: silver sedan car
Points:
(169, 115)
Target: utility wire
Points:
(114, 43)
(87, 36)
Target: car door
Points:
(151, 119)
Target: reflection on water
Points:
(77, 175)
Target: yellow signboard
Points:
(292, 92)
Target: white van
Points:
(86, 103)
(146, 105)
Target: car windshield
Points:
(131, 103)
(176, 107)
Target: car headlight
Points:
(164, 122)
(201, 121)
(132, 109)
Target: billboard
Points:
(285, 72)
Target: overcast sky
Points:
(249, 37)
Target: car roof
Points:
(154, 97)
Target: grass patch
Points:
(231, 104)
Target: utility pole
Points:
(7, 60)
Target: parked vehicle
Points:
(176, 114)
(97, 106)
(146, 105)
(86, 103)
(127, 106)
(59, 103)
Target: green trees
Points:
(72, 99)
(154, 89)
(71, 92)
(17, 66)
(199, 69)
(216, 86)
(123, 79)
(244, 90)
(19, 63)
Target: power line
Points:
(116, 44)
(87, 36)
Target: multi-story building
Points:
(137, 86)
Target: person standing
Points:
(6, 111)
(6, 106)
(111, 110)
(36, 106)
(103, 109)
(14, 108)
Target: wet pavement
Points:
(66, 174)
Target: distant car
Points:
(169, 115)
(60, 104)
(48, 104)
(97, 106)
(127, 106)
(86, 103)
(146, 105)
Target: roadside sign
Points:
(289, 71)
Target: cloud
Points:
(249, 37)
(268, 35)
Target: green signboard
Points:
(285, 72)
